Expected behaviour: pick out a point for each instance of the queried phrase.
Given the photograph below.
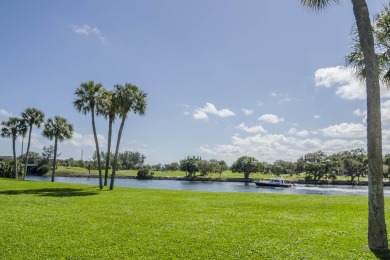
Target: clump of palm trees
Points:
(92, 98)
(58, 129)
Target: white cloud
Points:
(347, 86)
(248, 112)
(87, 31)
(252, 129)
(203, 112)
(4, 112)
(271, 147)
(270, 118)
(301, 133)
(360, 113)
(317, 116)
(222, 150)
(345, 130)
(385, 112)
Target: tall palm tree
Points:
(87, 96)
(11, 129)
(58, 129)
(32, 117)
(381, 31)
(377, 234)
(106, 107)
(128, 98)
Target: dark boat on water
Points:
(278, 183)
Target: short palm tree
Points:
(12, 129)
(128, 98)
(32, 117)
(87, 96)
(377, 233)
(106, 107)
(58, 129)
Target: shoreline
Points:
(197, 178)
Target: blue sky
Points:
(224, 78)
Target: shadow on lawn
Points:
(385, 255)
(52, 192)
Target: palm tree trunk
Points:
(116, 153)
(54, 160)
(28, 149)
(97, 148)
(14, 153)
(108, 156)
(377, 234)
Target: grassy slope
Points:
(57, 220)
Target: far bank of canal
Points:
(221, 186)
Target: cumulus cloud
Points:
(252, 129)
(4, 112)
(210, 109)
(248, 112)
(347, 85)
(88, 31)
(346, 130)
(301, 133)
(271, 147)
(270, 118)
(222, 150)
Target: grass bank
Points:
(41, 220)
(225, 175)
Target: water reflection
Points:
(222, 186)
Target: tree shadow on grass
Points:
(52, 192)
(385, 255)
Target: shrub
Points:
(40, 170)
(144, 173)
(308, 177)
(7, 169)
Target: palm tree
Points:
(32, 117)
(11, 129)
(58, 129)
(128, 98)
(381, 31)
(88, 95)
(377, 234)
(106, 107)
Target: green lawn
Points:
(41, 220)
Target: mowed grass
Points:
(41, 220)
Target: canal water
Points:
(213, 186)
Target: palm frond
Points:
(318, 4)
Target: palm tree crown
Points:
(130, 98)
(58, 128)
(87, 95)
(13, 127)
(381, 32)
